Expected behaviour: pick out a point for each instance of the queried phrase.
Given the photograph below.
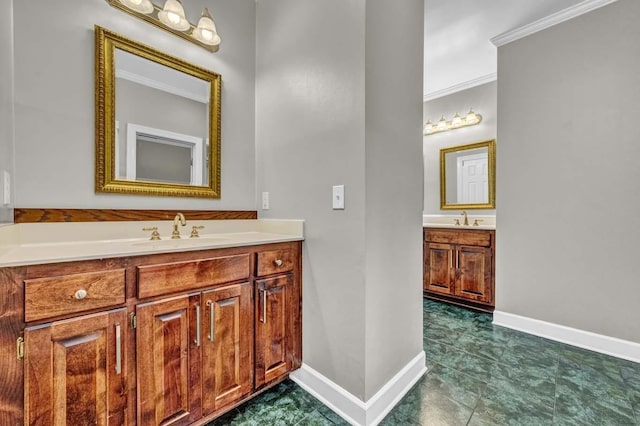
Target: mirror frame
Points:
(106, 42)
(491, 151)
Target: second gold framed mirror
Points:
(157, 122)
(468, 176)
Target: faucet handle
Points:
(457, 222)
(477, 222)
(155, 235)
(194, 231)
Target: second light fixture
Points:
(442, 125)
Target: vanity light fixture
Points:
(171, 17)
(457, 122)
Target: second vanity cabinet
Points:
(163, 339)
(459, 266)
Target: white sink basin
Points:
(183, 242)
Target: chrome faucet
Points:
(466, 219)
(182, 221)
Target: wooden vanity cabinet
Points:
(459, 266)
(277, 318)
(227, 346)
(167, 361)
(163, 339)
(73, 359)
(74, 372)
(194, 354)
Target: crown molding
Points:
(549, 21)
(460, 87)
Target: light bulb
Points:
(206, 31)
(173, 17)
(442, 124)
(207, 35)
(428, 127)
(471, 118)
(456, 121)
(140, 6)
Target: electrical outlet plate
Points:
(265, 201)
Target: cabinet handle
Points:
(264, 306)
(278, 262)
(211, 318)
(197, 341)
(118, 350)
(80, 294)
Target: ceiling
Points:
(457, 37)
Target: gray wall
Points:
(312, 132)
(54, 108)
(483, 100)
(6, 102)
(393, 188)
(139, 104)
(135, 104)
(568, 177)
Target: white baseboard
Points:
(619, 348)
(353, 409)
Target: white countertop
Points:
(448, 221)
(37, 243)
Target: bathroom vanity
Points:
(134, 331)
(459, 265)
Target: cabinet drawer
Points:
(70, 294)
(455, 236)
(165, 278)
(274, 262)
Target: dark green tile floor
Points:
(481, 374)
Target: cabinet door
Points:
(227, 346)
(474, 273)
(439, 268)
(274, 328)
(168, 361)
(74, 371)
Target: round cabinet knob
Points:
(80, 294)
(278, 262)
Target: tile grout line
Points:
(555, 390)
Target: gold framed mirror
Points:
(157, 122)
(468, 176)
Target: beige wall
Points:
(338, 104)
(54, 94)
(568, 174)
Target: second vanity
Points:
(459, 261)
(137, 331)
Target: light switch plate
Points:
(338, 197)
(265, 201)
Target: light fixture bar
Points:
(210, 41)
(457, 122)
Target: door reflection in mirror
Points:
(162, 117)
(467, 176)
(469, 170)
